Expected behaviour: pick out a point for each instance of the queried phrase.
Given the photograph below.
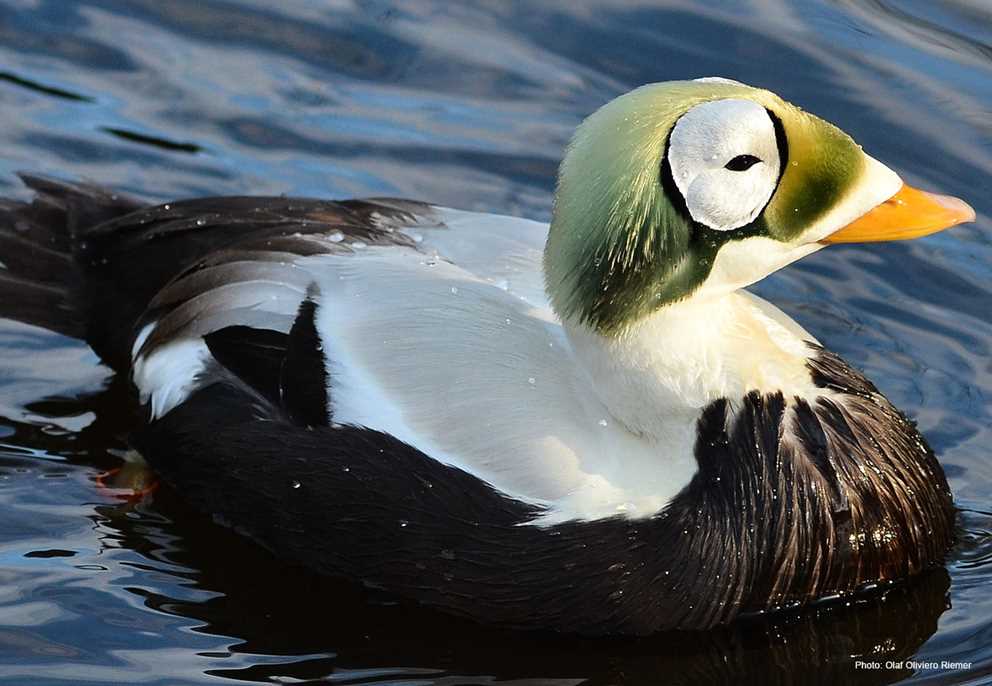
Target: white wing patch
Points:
(467, 370)
(503, 251)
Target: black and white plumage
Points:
(586, 426)
(789, 499)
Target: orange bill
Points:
(910, 213)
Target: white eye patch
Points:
(724, 160)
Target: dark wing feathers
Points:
(248, 269)
(87, 262)
(215, 275)
(287, 369)
(40, 279)
(253, 355)
(304, 376)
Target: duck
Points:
(585, 426)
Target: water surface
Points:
(469, 105)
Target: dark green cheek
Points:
(801, 208)
(618, 297)
(813, 183)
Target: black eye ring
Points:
(741, 163)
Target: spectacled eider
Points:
(586, 427)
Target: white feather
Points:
(501, 250)
(167, 376)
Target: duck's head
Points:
(694, 188)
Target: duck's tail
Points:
(43, 260)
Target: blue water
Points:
(468, 105)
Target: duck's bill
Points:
(910, 213)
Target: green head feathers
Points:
(635, 229)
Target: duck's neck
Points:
(669, 365)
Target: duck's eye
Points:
(741, 163)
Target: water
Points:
(466, 105)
